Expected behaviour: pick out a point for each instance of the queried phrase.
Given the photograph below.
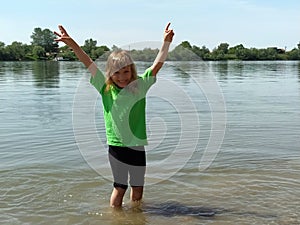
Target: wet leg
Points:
(116, 198)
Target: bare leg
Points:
(116, 198)
(136, 194)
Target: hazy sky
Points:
(253, 23)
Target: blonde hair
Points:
(117, 60)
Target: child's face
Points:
(122, 77)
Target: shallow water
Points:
(253, 178)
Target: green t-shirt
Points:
(124, 109)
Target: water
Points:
(254, 178)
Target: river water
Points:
(224, 145)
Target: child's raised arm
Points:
(163, 52)
(81, 55)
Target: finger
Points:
(58, 39)
(58, 34)
(170, 32)
(62, 29)
(167, 27)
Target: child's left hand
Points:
(169, 33)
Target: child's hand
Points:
(63, 35)
(168, 35)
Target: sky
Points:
(253, 23)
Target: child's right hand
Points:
(81, 55)
(63, 36)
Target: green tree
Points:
(38, 52)
(91, 48)
(223, 48)
(98, 51)
(202, 52)
(220, 53)
(180, 53)
(44, 38)
(186, 44)
(15, 51)
(267, 54)
(242, 53)
(294, 54)
(66, 53)
(2, 50)
(147, 54)
(236, 51)
(89, 45)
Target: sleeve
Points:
(98, 81)
(148, 78)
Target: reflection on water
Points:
(241, 70)
(221, 68)
(299, 71)
(254, 179)
(180, 72)
(46, 74)
(42, 73)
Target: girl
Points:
(123, 97)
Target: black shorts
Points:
(126, 161)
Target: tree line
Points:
(43, 47)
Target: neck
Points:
(117, 85)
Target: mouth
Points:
(122, 83)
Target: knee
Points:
(117, 197)
(136, 193)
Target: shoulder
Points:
(148, 73)
(147, 78)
